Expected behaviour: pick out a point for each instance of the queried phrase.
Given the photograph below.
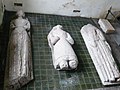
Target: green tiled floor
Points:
(46, 77)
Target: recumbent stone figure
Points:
(19, 56)
(64, 57)
(101, 55)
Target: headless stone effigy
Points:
(18, 70)
(64, 57)
(101, 55)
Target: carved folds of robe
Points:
(64, 57)
(19, 57)
(101, 55)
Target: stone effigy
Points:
(18, 70)
(101, 55)
(64, 57)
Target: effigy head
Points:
(20, 13)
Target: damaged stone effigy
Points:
(101, 55)
(18, 71)
(63, 55)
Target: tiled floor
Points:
(46, 77)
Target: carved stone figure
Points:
(101, 55)
(64, 57)
(19, 57)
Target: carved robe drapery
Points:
(101, 55)
(19, 55)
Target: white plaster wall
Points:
(88, 8)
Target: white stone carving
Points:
(106, 26)
(64, 57)
(101, 55)
(19, 56)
